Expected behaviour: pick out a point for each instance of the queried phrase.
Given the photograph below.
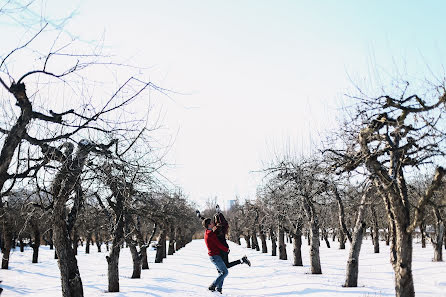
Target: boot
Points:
(246, 261)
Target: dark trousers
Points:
(224, 256)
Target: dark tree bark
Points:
(143, 247)
(282, 245)
(353, 259)
(273, 242)
(263, 240)
(314, 235)
(75, 241)
(21, 244)
(325, 237)
(297, 244)
(439, 234)
(160, 247)
(247, 239)
(67, 181)
(375, 232)
(98, 242)
(171, 240)
(343, 232)
(11, 142)
(36, 244)
(136, 258)
(115, 250)
(342, 240)
(113, 267)
(49, 240)
(7, 243)
(255, 242)
(444, 240)
(87, 243)
(423, 235)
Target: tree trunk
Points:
(282, 245)
(75, 241)
(144, 262)
(341, 217)
(444, 240)
(297, 251)
(7, 242)
(314, 249)
(248, 240)
(115, 250)
(51, 239)
(171, 241)
(353, 259)
(263, 239)
(297, 245)
(325, 237)
(21, 244)
(159, 249)
(423, 235)
(341, 240)
(113, 266)
(164, 242)
(136, 258)
(87, 245)
(70, 276)
(375, 231)
(36, 243)
(97, 241)
(255, 242)
(401, 241)
(143, 247)
(438, 241)
(403, 265)
(273, 242)
(314, 235)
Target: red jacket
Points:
(213, 244)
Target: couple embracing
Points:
(218, 248)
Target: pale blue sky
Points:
(259, 75)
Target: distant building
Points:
(230, 204)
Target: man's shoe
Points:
(219, 290)
(212, 288)
(246, 261)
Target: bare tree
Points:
(389, 135)
(351, 279)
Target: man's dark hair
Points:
(206, 222)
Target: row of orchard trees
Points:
(77, 158)
(380, 171)
(135, 220)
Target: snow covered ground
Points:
(189, 272)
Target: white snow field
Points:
(189, 272)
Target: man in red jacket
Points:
(214, 248)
